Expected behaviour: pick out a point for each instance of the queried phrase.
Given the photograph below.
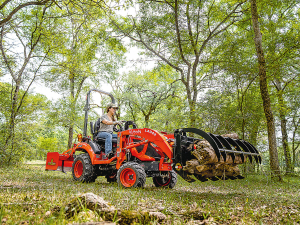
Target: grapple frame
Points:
(221, 145)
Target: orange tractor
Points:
(141, 153)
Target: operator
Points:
(107, 122)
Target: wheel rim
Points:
(128, 177)
(78, 169)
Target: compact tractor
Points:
(140, 153)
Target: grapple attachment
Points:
(214, 157)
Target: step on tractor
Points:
(138, 153)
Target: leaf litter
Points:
(27, 193)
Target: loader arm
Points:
(147, 136)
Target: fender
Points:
(83, 146)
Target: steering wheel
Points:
(118, 128)
(130, 123)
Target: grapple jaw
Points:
(228, 152)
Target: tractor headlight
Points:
(79, 136)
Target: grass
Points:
(28, 192)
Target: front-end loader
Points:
(140, 153)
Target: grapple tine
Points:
(236, 146)
(187, 177)
(219, 144)
(251, 150)
(258, 155)
(226, 145)
(244, 147)
(236, 177)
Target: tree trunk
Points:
(72, 103)
(147, 121)
(295, 144)
(285, 145)
(274, 164)
(70, 140)
(192, 114)
(12, 115)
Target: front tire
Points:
(168, 181)
(131, 174)
(83, 170)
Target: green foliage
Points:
(82, 54)
(26, 125)
(152, 95)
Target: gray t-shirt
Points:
(104, 127)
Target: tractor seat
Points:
(94, 131)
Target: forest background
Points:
(220, 66)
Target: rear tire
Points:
(131, 174)
(169, 181)
(83, 170)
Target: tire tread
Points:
(89, 174)
(140, 173)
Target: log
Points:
(206, 163)
(205, 154)
(232, 135)
(191, 165)
(90, 202)
(203, 168)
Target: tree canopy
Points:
(220, 66)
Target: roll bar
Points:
(87, 107)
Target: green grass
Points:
(28, 192)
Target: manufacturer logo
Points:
(178, 166)
(135, 131)
(51, 163)
(150, 132)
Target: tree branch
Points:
(3, 4)
(5, 20)
(4, 56)
(178, 34)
